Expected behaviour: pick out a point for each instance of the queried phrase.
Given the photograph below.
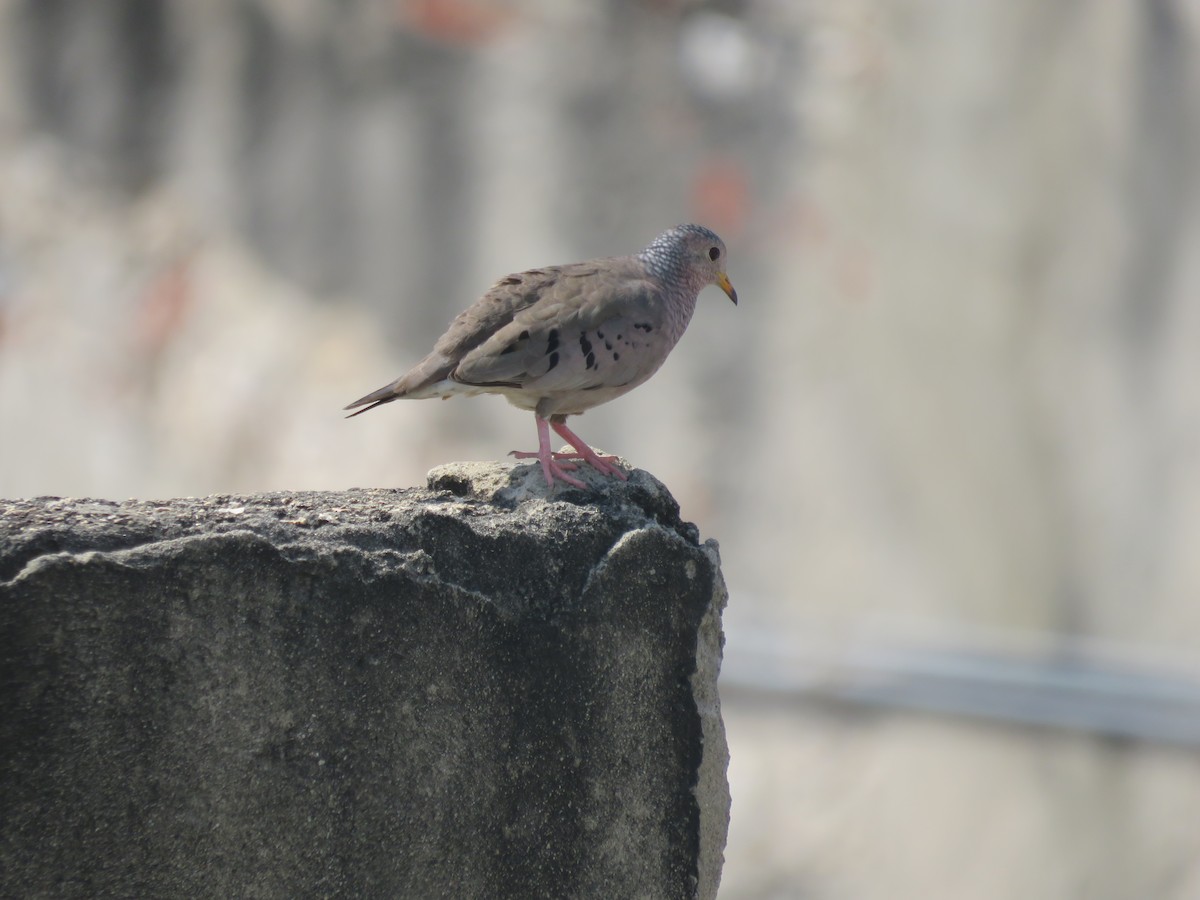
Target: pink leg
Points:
(603, 464)
(549, 460)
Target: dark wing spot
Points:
(584, 344)
(552, 340)
(600, 334)
(616, 356)
(591, 361)
(643, 326)
(523, 336)
(607, 345)
(553, 361)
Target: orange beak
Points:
(724, 284)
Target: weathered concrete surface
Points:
(464, 691)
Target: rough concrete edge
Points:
(413, 564)
(711, 789)
(712, 783)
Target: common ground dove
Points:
(563, 339)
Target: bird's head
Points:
(692, 254)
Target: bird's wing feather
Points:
(470, 328)
(496, 308)
(547, 344)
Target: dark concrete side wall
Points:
(368, 694)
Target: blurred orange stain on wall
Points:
(721, 196)
(461, 22)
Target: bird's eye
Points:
(714, 252)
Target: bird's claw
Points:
(555, 468)
(605, 465)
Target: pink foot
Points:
(551, 467)
(605, 465)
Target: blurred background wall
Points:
(949, 442)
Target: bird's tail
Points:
(426, 379)
(376, 398)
